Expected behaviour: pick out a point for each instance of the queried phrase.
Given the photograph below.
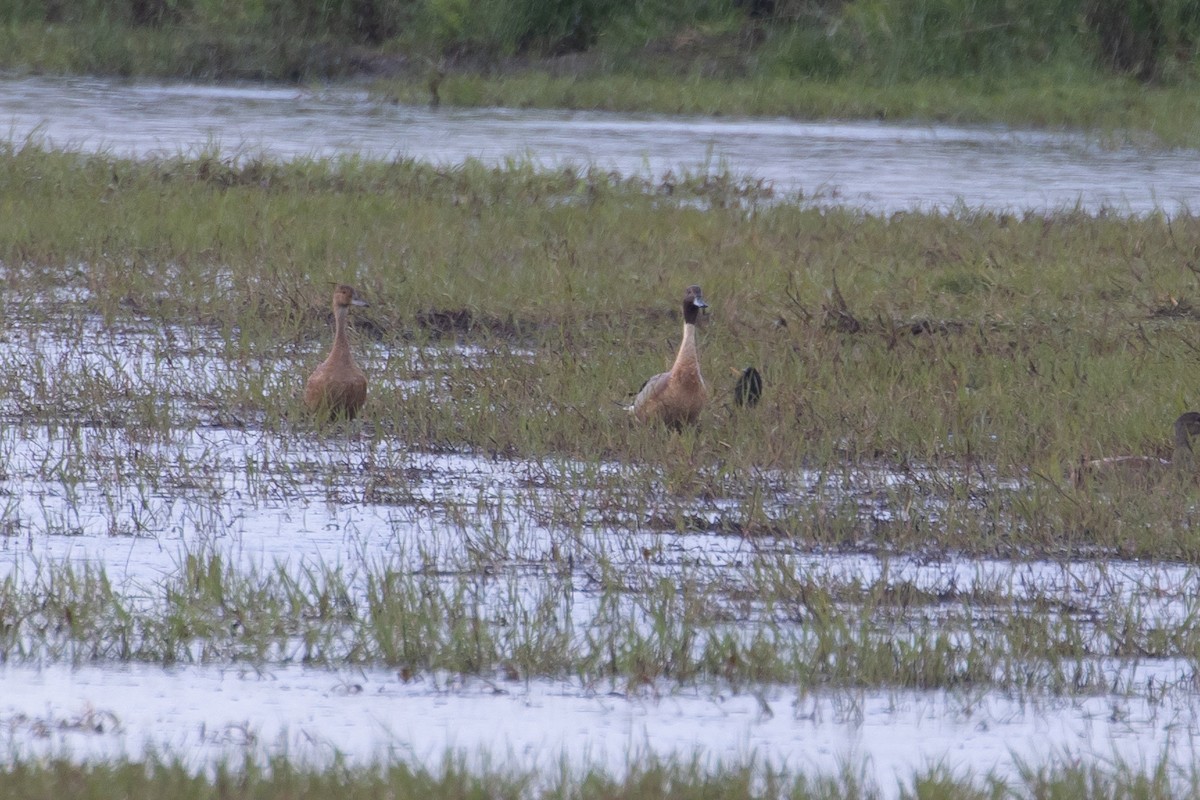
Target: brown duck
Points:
(338, 387)
(1182, 461)
(676, 397)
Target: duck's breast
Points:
(341, 388)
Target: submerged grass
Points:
(583, 611)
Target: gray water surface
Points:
(877, 167)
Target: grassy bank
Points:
(1114, 109)
(1111, 65)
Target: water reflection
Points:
(203, 715)
(880, 168)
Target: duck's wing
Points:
(314, 387)
(648, 396)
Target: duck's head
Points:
(693, 301)
(345, 296)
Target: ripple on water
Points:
(877, 167)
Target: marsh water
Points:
(282, 499)
(881, 168)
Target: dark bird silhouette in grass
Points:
(748, 389)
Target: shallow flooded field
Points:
(222, 586)
(895, 563)
(228, 713)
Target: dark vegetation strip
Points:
(1087, 63)
(822, 39)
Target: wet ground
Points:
(263, 499)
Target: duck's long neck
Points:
(341, 341)
(687, 360)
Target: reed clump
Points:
(475, 615)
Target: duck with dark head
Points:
(677, 397)
(338, 387)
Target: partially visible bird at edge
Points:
(1182, 462)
